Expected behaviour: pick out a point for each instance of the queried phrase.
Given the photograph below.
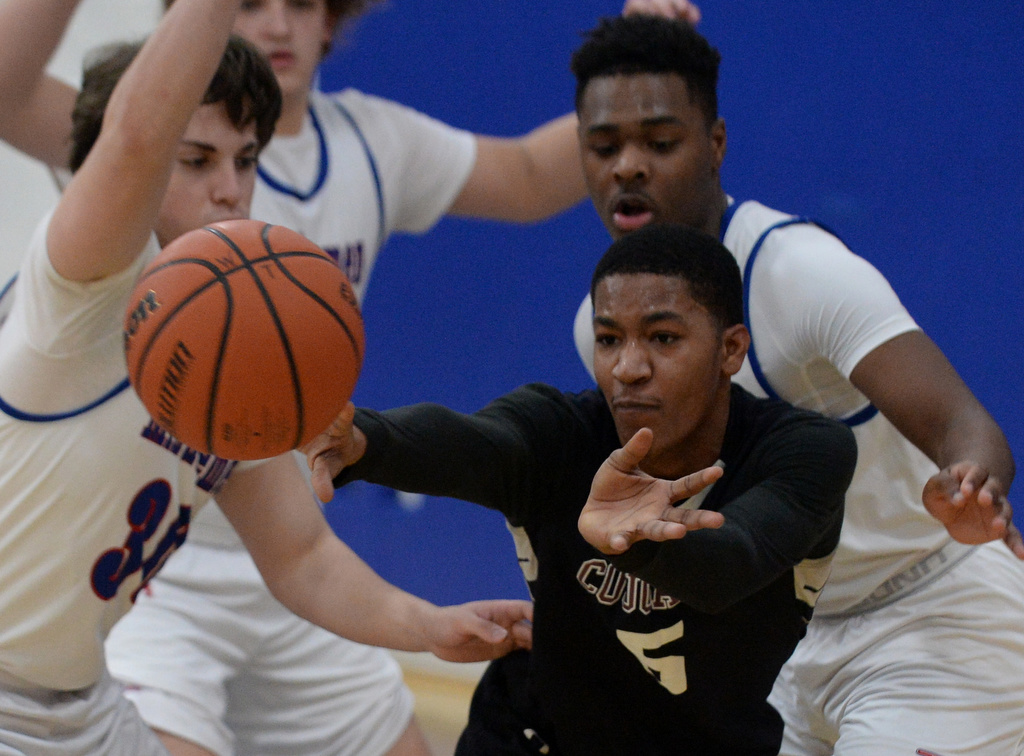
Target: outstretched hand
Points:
(971, 504)
(481, 630)
(627, 505)
(341, 445)
(674, 9)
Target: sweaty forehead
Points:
(621, 296)
(634, 98)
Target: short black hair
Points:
(680, 252)
(244, 82)
(642, 44)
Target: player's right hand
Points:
(341, 445)
(674, 9)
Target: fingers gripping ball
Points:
(243, 339)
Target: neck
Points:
(714, 224)
(293, 114)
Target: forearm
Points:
(430, 449)
(525, 179)
(36, 112)
(332, 587)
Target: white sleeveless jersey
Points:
(93, 496)
(360, 169)
(815, 310)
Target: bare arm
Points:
(111, 205)
(527, 178)
(913, 384)
(321, 579)
(36, 108)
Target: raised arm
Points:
(527, 178)
(111, 205)
(35, 108)
(321, 579)
(913, 384)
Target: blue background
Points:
(899, 125)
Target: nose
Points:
(227, 187)
(631, 165)
(631, 363)
(277, 19)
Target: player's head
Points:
(651, 140)
(668, 337)
(296, 35)
(213, 172)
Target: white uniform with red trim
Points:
(917, 641)
(239, 673)
(93, 498)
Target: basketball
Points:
(243, 339)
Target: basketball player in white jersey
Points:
(917, 642)
(93, 495)
(347, 169)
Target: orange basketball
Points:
(243, 339)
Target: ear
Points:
(735, 343)
(718, 141)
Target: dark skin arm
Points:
(912, 383)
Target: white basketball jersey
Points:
(360, 169)
(815, 310)
(93, 496)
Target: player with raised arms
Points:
(93, 495)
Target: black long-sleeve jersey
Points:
(670, 648)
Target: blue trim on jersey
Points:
(373, 170)
(29, 417)
(321, 178)
(727, 219)
(859, 417)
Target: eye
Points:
(603, 149)
(605, 339)
(662, 146)
(195, 162)
(664, 338)
(245, 163)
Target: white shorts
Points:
(939, 671)
(97, 720)
(210, 656)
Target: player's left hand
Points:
(971, 504)
(627, 505)
(674, 9)
(481, 630)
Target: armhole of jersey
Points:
(29, 417)
(6, 299)
(858, 418)
(373, 170)
(321, 175)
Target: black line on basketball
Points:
(282, 334)
(219, 278)
(275, 258)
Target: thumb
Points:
(633, 451)
(323, 483)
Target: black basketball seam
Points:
(272, 310)
(219, 278)
(275, 258)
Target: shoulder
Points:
(781, 429)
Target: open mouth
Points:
(632, 212)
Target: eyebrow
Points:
(252, 146)
(649, 319)
(663, 120)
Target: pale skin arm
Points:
(912, 383)
(107, 212)
(318, 577)
(681, 9)
(35, 117)
(627, 505)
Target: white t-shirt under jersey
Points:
(360, 169)
(816, 309)
(91, 502)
